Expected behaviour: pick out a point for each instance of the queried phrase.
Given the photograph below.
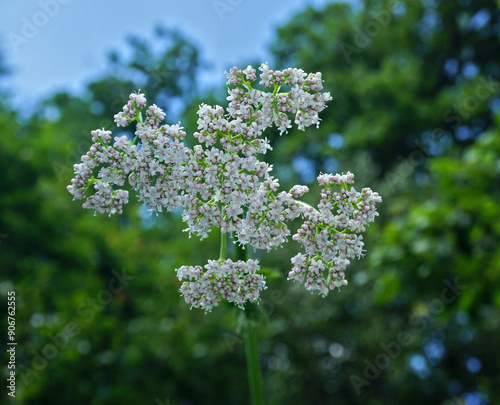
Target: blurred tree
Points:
(165, 69)
(99, 316)
(415, 93)
(398, 72)
(415, 88)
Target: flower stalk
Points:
(253, 364)
(251, 317)
(223, 245)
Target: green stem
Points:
(251, 344)
(253, 366)
(223, 245)
(276, 89)
(138, 118)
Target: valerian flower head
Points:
(236, 282)
(331, 235)
(222, 183)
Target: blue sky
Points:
(61, 44)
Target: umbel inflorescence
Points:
(222, 183)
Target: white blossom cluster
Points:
(331, 235)
(155, 169)
(304, 100)
(221, 183)
(236, 282)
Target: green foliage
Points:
(396, 70)
(413, 117)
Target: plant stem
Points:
(251, 343)
(223, 245)
(253, 365)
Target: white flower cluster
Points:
(236, 282)
(106, 198)
(155, 170)
(222, 183)
(331, 235)
(264, 109)
(136, 102)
